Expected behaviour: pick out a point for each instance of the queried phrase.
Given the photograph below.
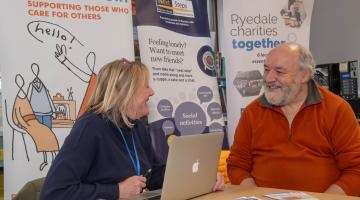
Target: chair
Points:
(31, 190)
(15, 128)
(222, 165)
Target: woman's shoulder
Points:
(89, 115)
(87, 130)
(90, 118)
(90, 123)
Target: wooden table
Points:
(234, 191)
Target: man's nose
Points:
(269, 76)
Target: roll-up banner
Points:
(251, 29)
(175, 44)
(49, 56)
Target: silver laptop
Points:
(190, 168)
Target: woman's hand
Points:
(132, 186)
(219, 184)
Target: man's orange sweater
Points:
(322, 146)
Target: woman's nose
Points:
(151, 92)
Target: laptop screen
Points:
(192, 165)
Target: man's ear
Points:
(306, 75)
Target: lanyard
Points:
(137, 164)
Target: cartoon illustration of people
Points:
(24, 118)
(40, 99)
(87, 77)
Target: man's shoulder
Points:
(332, 103)
(330, 97)
(256, 105)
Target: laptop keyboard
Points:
(150, 195)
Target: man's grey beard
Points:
(272, 101)
(285, 97)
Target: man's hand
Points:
(131, 186)
(335, 189)
(248, 183)
(219, 184)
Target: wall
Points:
(335, 31)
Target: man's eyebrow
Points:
(279, 67)
(276, 68)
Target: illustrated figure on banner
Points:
(40, 99)
(26, 119)
(85, 76)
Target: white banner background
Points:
(269, 23)
(94, 32)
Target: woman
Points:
(109, 150)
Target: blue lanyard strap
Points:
(137, 164)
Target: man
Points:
(297, 135)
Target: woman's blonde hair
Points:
(116, 84)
